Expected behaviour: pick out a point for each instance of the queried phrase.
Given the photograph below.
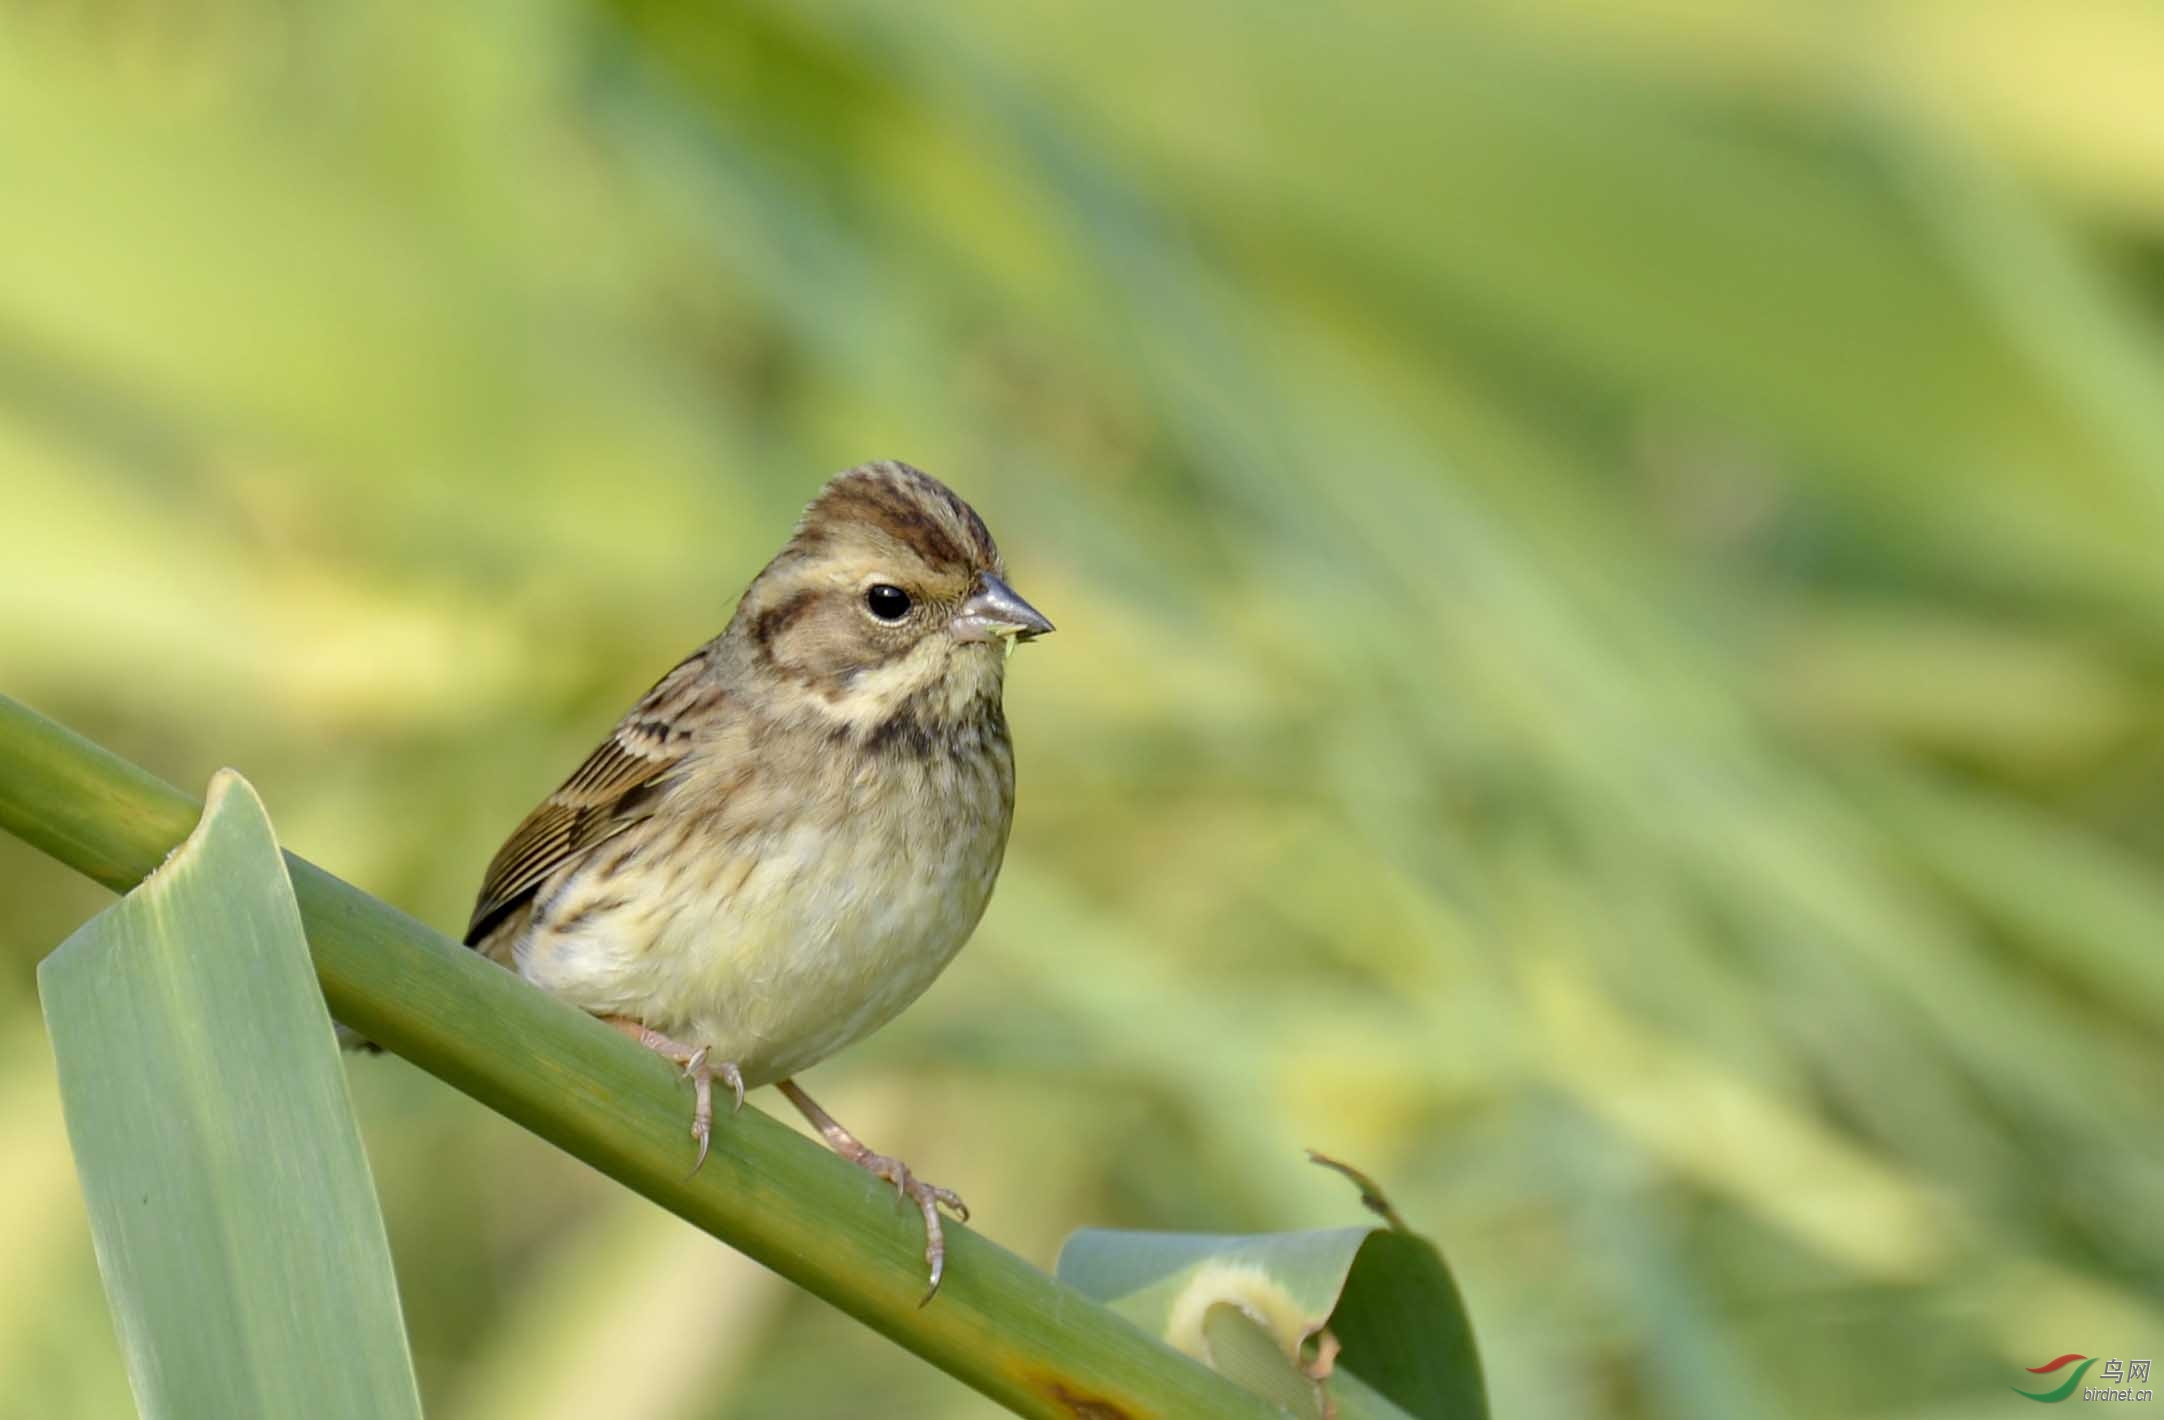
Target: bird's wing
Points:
(615, 788)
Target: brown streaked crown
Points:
(895, 501)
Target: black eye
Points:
(887, 602)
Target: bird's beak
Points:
(994, 611)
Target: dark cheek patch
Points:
(778, 618)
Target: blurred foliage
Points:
(1611, 623)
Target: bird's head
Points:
(891, 599)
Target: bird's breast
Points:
(786, 918)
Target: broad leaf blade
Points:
(230, 1202)
(1405, 1329)
(1382, 1293)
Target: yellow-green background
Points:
(1610, 572)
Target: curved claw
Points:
(704, 1133)
(935, 1239)
(702, 1111)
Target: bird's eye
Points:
(887, 602)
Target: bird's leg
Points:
(697, 1068)
(928, 1197)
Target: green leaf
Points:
(1370, 1311)
(1405, 1330)
(235, 1222)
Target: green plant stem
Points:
(998, 1324)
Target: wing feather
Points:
(615, 788)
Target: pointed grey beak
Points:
(994, 611)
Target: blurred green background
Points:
(1610, 572)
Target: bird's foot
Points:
(699, 1068)
(929, 1197)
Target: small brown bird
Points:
(795, 831)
